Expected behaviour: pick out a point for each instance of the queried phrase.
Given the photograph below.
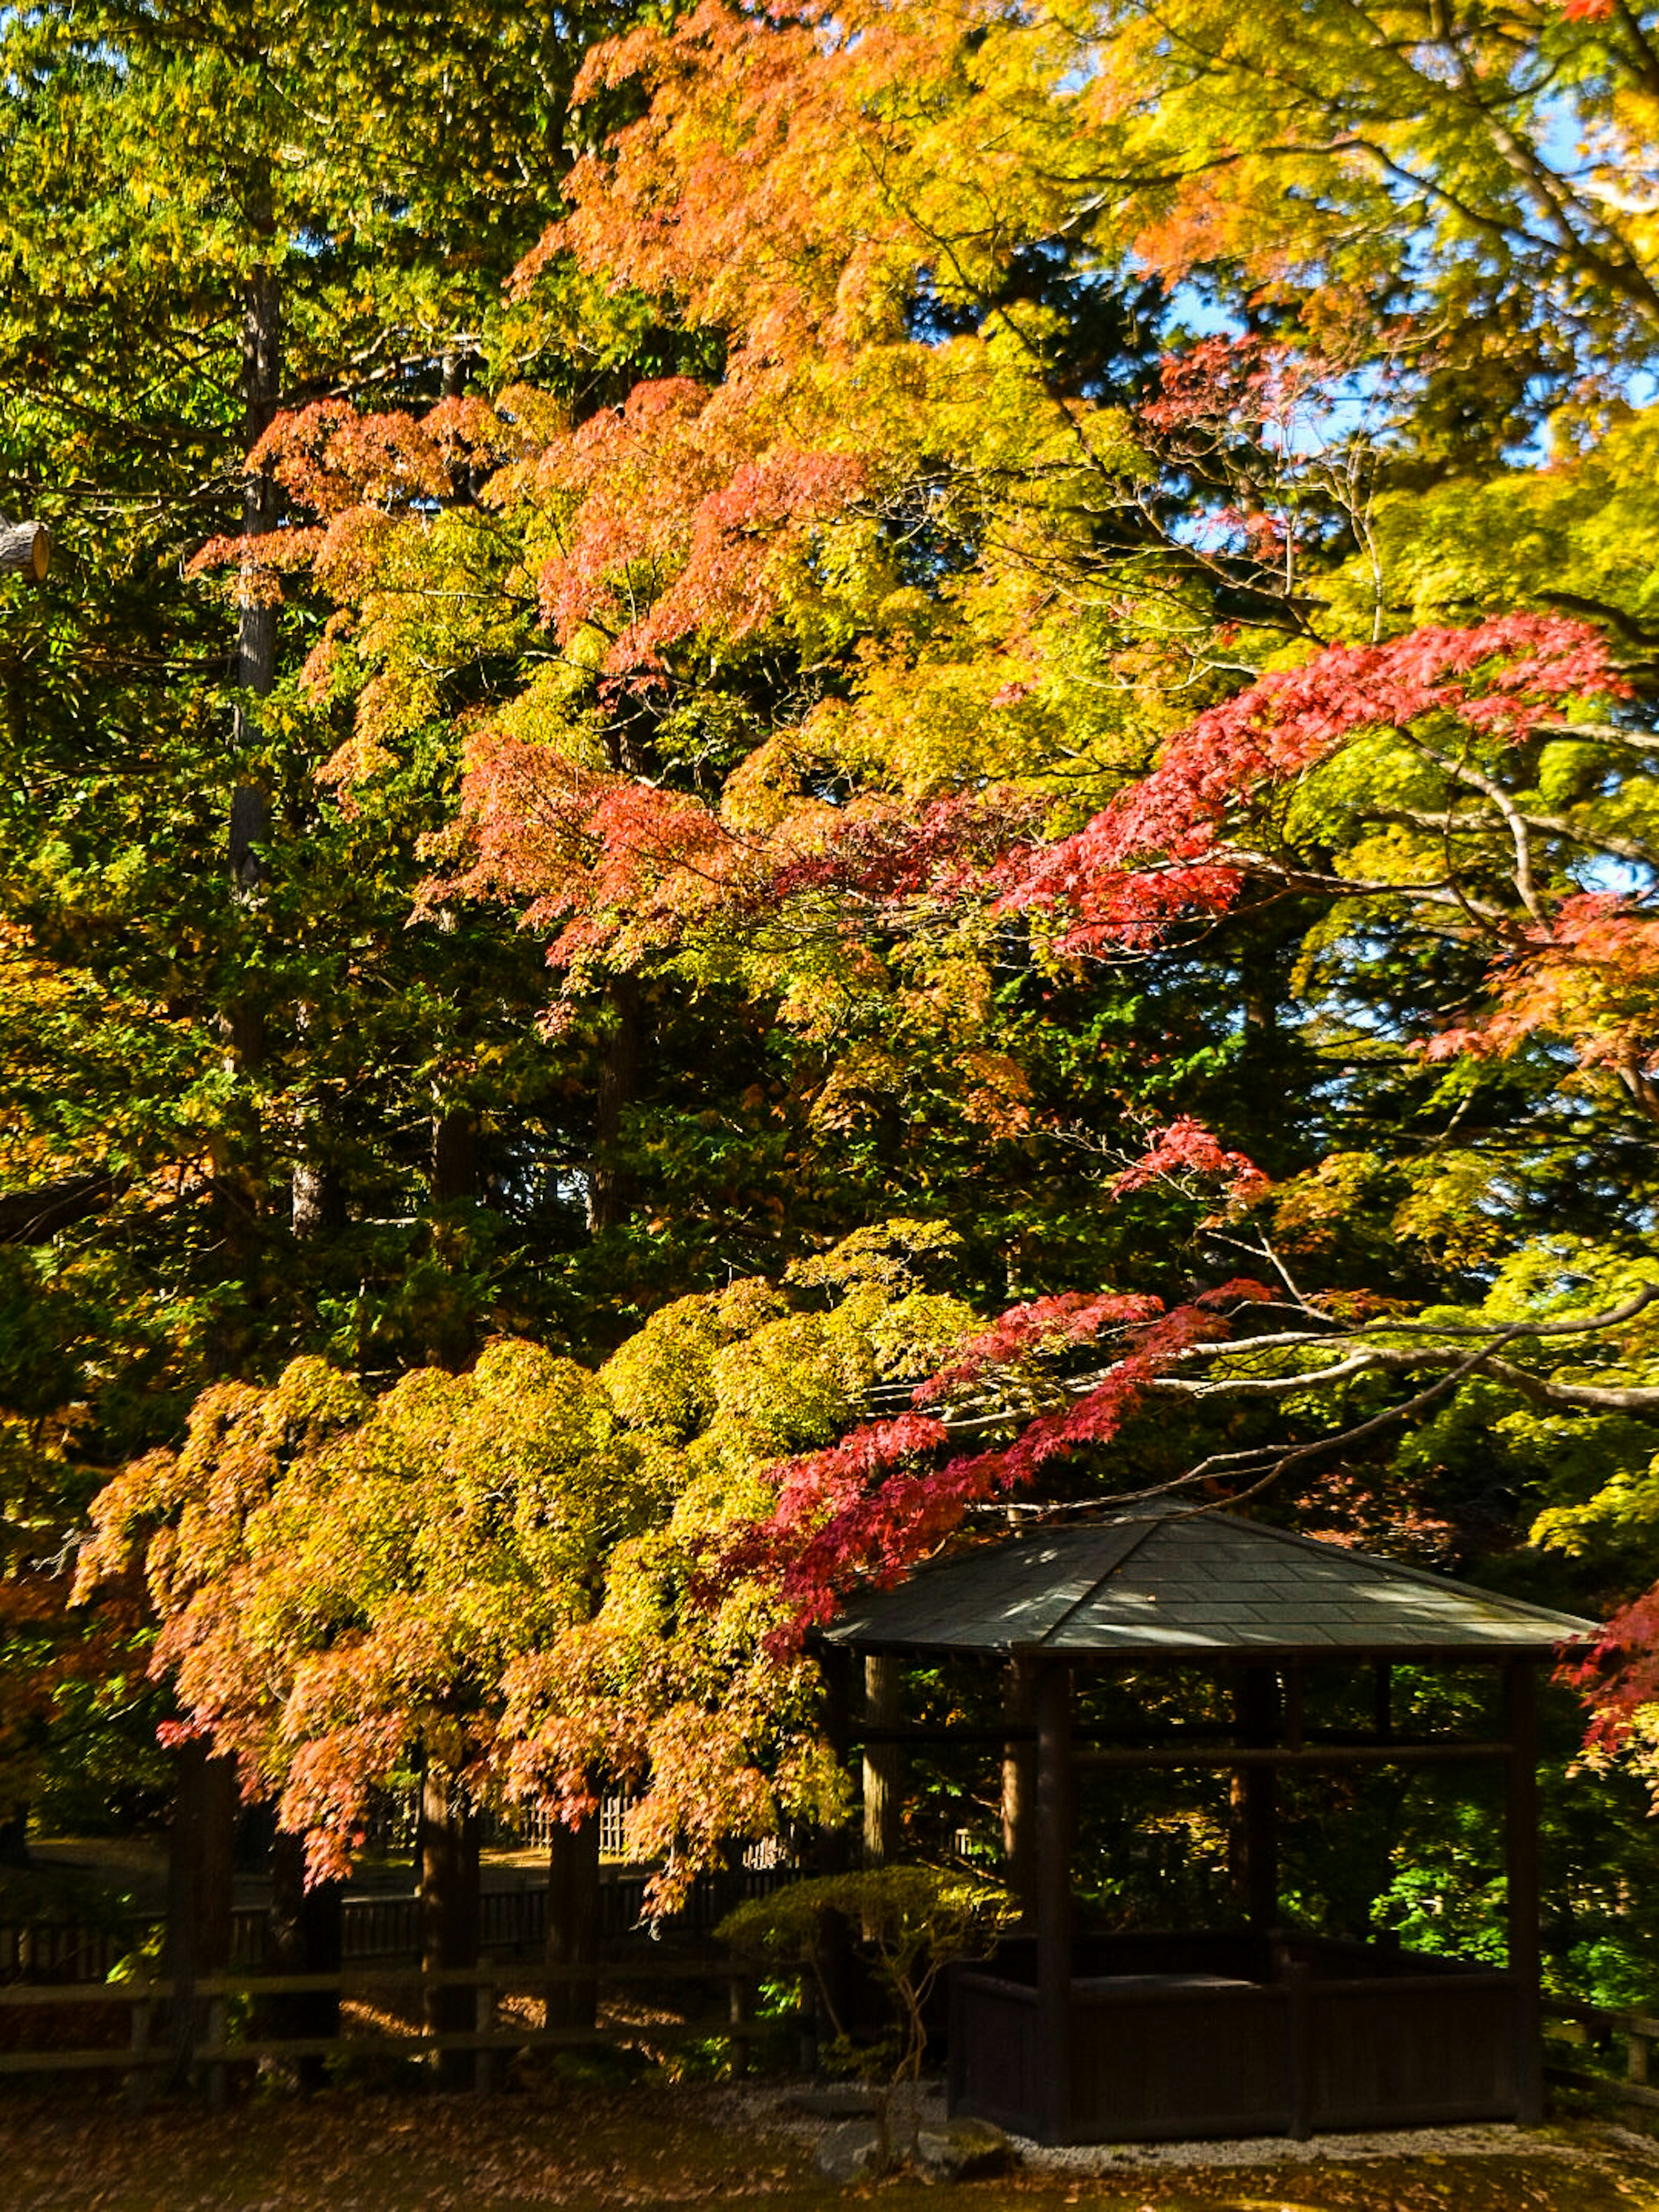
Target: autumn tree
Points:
(490, 1578)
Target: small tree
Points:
(916, 1920)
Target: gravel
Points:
(1487, 2141)
(781, 2109)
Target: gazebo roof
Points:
(1169, 1585)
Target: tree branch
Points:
(29, 1217)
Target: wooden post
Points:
(1253, 1825)
(138, 2074)
(1294, 1978)
(834, 1668)
(1018, 1785)
(483, 2078)
(882, 1762)
(1053, 1702)
(1521, 1854)
(216, 2083)
(741, 2012)
(25, 548)
(1382, 1700)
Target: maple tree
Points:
(915, 1922)
(481, 1573)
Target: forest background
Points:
(795, 778)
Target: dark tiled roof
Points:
(1204, 1584)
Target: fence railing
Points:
(65, 1950)
(134, 2049)
(377, 1927)
(1595, 2030)
(32, 2015)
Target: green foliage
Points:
(914, 1921)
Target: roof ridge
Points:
(1105, 1574)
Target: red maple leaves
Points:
(1620, 1677)
(1161, 849)
(869, 1507)
(1186, 1147)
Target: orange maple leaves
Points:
(677, 506)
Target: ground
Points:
(554, 2144)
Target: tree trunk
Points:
(316, 1202)
(201, 1851)
(881, 1761)
(15, 1835)
(449, 1912)
(573, 1922)
(240, 1195)
(26, 549)
(609, 1187)
(254, 669)
(454, 1157)
(305, 1937)
(882, 1768)
(828, 2003)
(451, 1333)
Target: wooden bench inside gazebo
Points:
(1073, 2037)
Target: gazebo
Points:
(1075, 2038)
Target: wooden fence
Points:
(392, 1823)
(133, 2049)
(511, 1921)
(1597, 2032)
(33, 2014)
(66, 1950)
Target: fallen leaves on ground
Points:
(651, 2146)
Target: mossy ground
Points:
(653, 2146)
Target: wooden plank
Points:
(413, 2045)
(360, 1980)
(511, 1980)
(116, 2058)
(496, 2038)
(1618, 2023)
(53, 1994)
(1626, 2093)
(903, 1732)
(1308, 1754)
